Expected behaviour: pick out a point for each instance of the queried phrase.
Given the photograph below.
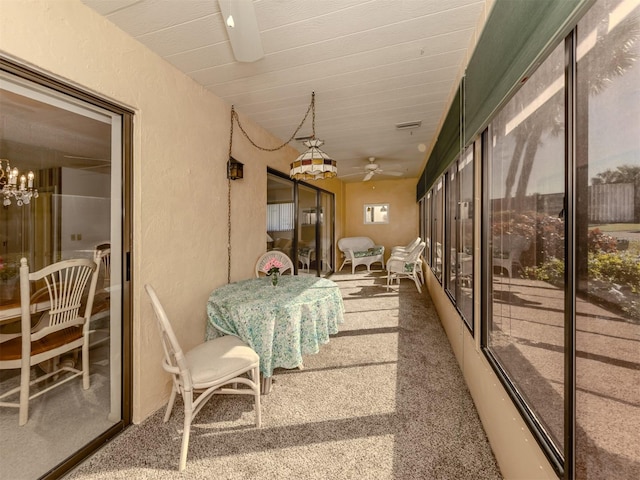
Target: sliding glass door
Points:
(300, 223)
(74, 149)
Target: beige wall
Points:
(403, 211)
(180, 141)
(181, 135)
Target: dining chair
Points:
(102, 300)
(105, 265)
(214, 367)
(286, 262)
(61, 328)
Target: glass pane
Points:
(70, 148)
(608, 240)
(464, 215)
(451, 239)
(325, 223)
(307, 218)
(526, 191)
(280, 215)
(429, 227)
(438, 230)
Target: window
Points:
(428, 220)
(526, 245)
(464, 235)
(437, 231)
(376, 213)
(451, 239)
(280, 217)
(607, 242)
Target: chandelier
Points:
(313, 164)
(10, 188)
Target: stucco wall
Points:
(403, 211)
(180, 148)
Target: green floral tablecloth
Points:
(280, 323)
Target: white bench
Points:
(360, 251)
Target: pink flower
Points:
(272, 266)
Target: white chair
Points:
(402, 254)
(360, 251)
(213, 367)
(102, 300)
(406, 266)
(306, 255)
(406, 248)
(105, 265)
(286, 262)
(103, 251)
(507, 250)
(60, 329)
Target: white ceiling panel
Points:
(371, 63)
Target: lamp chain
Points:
(311, 108)
(229, 203)
(234, 115)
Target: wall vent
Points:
(408, 125)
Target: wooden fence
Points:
(612, 203)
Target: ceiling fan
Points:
(372, 168)
(80, 163)
(242, 28)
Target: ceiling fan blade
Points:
(93, 159)
(239, 17)
(367, 177)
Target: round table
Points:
(280, 323)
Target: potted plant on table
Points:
(272, 269)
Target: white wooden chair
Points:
(213, 367)
(406, 266)
(286, 262)
(102, 300)
(60, 329)
(507, 250)
(360, 251)
(405, 248)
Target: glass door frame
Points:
(126, 227)
(318, 237)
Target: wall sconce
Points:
(234, 169)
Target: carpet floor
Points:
(384, 399)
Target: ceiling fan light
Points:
(245, 37)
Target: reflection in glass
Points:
(526, 240)
(437, 229)
(280, 215)
(608, 239)
(307, 218)
(464, 233)
(77, 213)
(326, 233)
(451, 237)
